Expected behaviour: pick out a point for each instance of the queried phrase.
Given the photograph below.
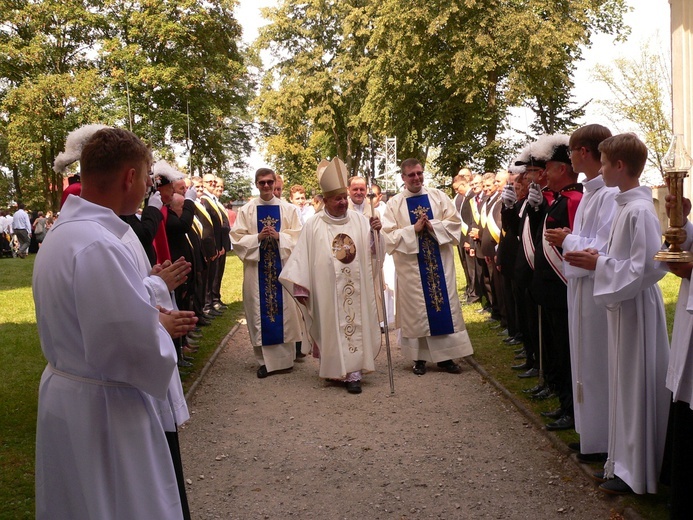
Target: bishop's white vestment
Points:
(274, 323)
(101, 450)
(332, 260)
(427, 304)
(625, 281)
(587, 320)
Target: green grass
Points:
(21, 365)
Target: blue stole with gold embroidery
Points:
(431, 270)
(269, 268)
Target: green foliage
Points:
(641, 97)
(160, 68)
(435, 75)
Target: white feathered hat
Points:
(73, 146)
(164, 173)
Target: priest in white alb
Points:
(263, 236)
(421, 229)
(330, 273)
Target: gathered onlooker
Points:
(22, 230)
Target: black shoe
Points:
(532, 372)
(483, 310)
(534, 390)
(203, 322)
(353, 387)
(450, 367)
(514, 341)
(517, 351)
(220, 306)
(574, 446)
(615, 486)
(503, 332)
(262, 372)
(554, 414)
(589, 458)
(546, 393)
(209, 317)
(598, 477)
(419, 368)
(495, 326)
(523, 366)
(564, 423)
(214, 312)
(184, 364)
(521, 355)
(194, 335)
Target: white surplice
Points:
(587, 320)
(680, 371)
(341, 313)
(625, 282)
(244, 237)
(402, 243)
(101, 451)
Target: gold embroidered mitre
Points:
(332, 177)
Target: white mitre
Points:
(332, 177)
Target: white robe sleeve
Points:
(290, 230)
(448, 227)
(617, 280)
(401, 239)
(244, 234)
(127, 343)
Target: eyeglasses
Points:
(265, 183)
(411, 175)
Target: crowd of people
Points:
(563, 269)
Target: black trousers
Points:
(678, 460)
(557, 350)
(174, 448)
(218, 276)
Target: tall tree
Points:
(50, 86)
(641, 99)
(180, 78)
(312, 94)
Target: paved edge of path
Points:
(628, 513)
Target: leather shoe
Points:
(220, 306)
(214, 312)
(353, 387)
(535, 389)
(564, 423)
(503, 332)
(483, 310)
(598, 477)
(546, 393)
(532, 372)
(450, 367)
(574, 446)
(615, 486)
(262, 372)
(183, 363)
(521, 355)
(514, 341)
(589, 458)
(523, 366)
(554, 414)
(518, 350)
(496, 326)
(419, 368)
(203, 322)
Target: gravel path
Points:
(443, 446)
